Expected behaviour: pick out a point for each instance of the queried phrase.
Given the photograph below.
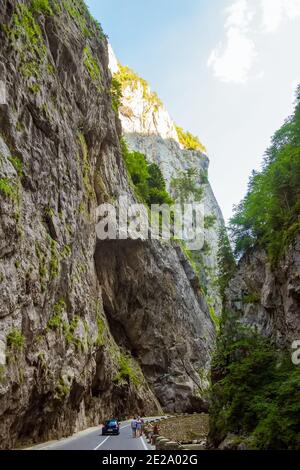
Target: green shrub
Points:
(41, 6)
(56, 322)
(17, 164)
(92, 66)
(189, 141)
(186, 185)
(256, 390)
(69, 332)
(62, 390)
(209, 221)
(9, 189)
(54, 259)
(15, 340)
(100, 331)
(147, 178)
(77, 10)
(127, 371)
(129, 79)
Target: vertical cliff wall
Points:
(88, 329)
(149, 129)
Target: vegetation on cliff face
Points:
(130, 79)
(190, 141)
(269, 215)
(256, 388)
(147, 178)
(255, 392)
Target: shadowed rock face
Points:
(269, 298)
(153, 307)
(73, 311)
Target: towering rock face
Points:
(88, 329)
(268, 298)
(149, 129)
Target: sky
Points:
(226, 70)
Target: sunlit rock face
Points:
(89, 329)
(149, 129)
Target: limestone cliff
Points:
(268, 297)
(149, 129)
(88, 329)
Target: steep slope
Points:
(149, 129)
(256, 373)
(88, 329)
(266, 297)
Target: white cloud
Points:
(233, 60)
(233, 63)
(275, 12)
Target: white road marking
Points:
(144, 443)
(101, 443)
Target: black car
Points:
(111, 426)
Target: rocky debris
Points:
(268, 297)
(87, 330)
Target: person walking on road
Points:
(138, 427)
(133, 427)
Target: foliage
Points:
(147, 178)
(69, 330)
(17, 164)
(77, 10)
(41, 6)
(15, 340)
(269, 215)
(116, 94)
(8, 189)
(54, 259)
(129, 79)
(226, 261)
(100, 331)
(189, 141)
(127, 371)
(209, 221)
(62, 390)
(55, 322)
(186, 185)
(214, 317)
(26, 38)
(256, 391)
(92, 66)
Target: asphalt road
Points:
(93, 440)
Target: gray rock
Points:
(74, 307)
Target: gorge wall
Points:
(149, 129)
(88, 329)
(267, 297)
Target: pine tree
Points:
(226, 261)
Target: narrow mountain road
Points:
(93, 440)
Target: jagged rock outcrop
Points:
(149, 129)
(266, 297)
(87, 329)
